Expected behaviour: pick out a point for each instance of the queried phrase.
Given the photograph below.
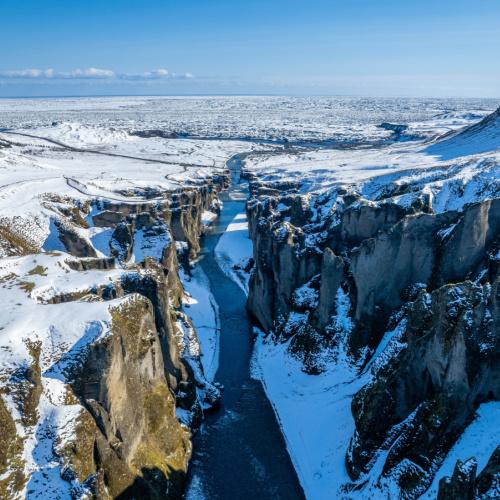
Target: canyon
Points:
(368, 264)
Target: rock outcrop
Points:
(125, 386)
(419, 403)
(386, 251)
(382, 263)
(128, 439)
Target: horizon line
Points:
(246, 94)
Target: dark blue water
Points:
(239, 452)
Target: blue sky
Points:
(348, 47)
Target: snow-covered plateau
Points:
(369, 251)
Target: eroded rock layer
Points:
(91, 395)
(336, 272)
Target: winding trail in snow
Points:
(239, 451)
(105, 153)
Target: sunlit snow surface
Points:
(234, 250)
(87, 150)
(200, 306)
(294, 118)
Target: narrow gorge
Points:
(243, 436)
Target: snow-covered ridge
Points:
(481, 137)
(466, 176)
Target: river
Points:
(239, 451)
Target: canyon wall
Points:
(123, 437)
(335, 270)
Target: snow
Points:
(305, 297)
(372, 172)
(53, 243)
(311, 118)
(389, 346)
(314, 412)
(451, 181)
(149, 245)
(101, 238)
(199, 304)
(208, 217)
(53, 430)
(480, 137)
(234, 250)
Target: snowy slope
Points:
(395, 172)
(481, 137)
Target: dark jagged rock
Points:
(449, 367)
(91, 264)
(461, 484)
(154, 133)
(122, 242)
(464, 484)
(332, 276)
(488, 481)
(398, 129)
(465, 250)
(386, 250)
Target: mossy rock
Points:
(32, 386)
(27, 286)
(77, 453)
(161, 457)
(133, 321)
(15, 244)
(11, 464)
(38, 271)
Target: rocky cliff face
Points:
(420, 402)
(385, 267)
(116, 390)
(127, 440)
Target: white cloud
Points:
(90, 73)
(148, 75)
(28, 73)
